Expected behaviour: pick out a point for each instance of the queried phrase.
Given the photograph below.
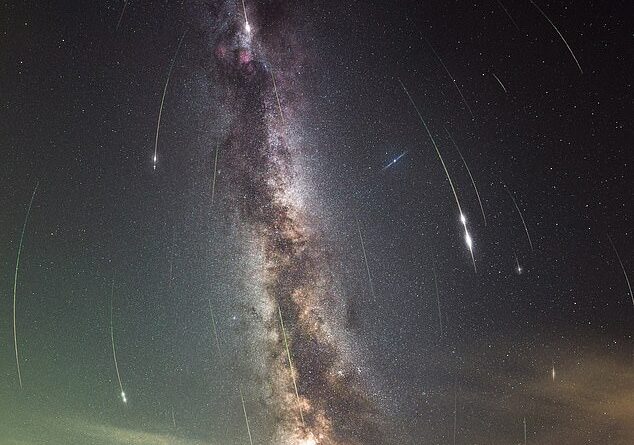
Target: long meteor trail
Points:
(15, 283)
(290, 365)
(470, 176)
(463, 219)
(627, 280)
(114, 350)
(167, 82)
(558, 32)
(521, 216)
(246, 418)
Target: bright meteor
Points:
(518, 267)
(15, 283)
(247, 27)
(470, 176)
(463, 219)
(124, 399)
(167, 82)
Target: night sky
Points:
(286, 263)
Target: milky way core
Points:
(261, 165)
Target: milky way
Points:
(261, 167)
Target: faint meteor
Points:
(524, 430)
(394, 161)
(290, 365)
(521, 215)
(167, 81)
(173, 418)
(247, 27)
(213, 324)
(470, 176)
(114, 351)
(452, 79)
(171, 263)
(455, 414)
(558, 32)
(125, 3)
(246, 418)
(508, 14)
(437, 299)
(213, 182)
(277, 97)
(553, 373)
(15, 283)
(463, 219)
(499, 81)
(365, 260)
(627, 280)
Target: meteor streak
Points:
(560, 35)
(499, 81)
(277, 97)
(452, 79)
(521, 216)
(290, 365)
(437, 300)
(213, 324)
(15, 283)
(114, 351)
(463, 219)
(246, 418)
(524, 430)
(470, 176)
(125, 3)
(455, 414)
(158, 122)
(365, 259)
(508, 14)
(213, 182)
(627, 280)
